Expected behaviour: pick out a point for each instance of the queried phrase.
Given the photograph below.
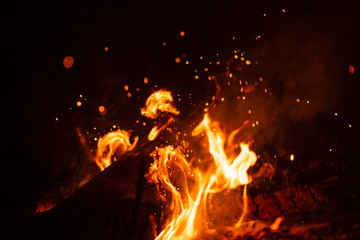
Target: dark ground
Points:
(44, 158)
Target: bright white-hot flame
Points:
(185, 188)
(117, 141)
(234, 171)
(188, 201)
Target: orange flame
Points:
(190, 190)
(156, 130)
(118, 141)
(159, 101)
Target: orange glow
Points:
(68, 61)
(106, 48)
(102, 110)
(146, 80)
(292, 157)
(43, 206)
(159, 101)
(78, 103)
(351, 69)
(113, 142)
(126, 88)
(177, 60)
(182, 33)
(189, 203)
(156, 130)
(276, 224)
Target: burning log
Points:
(104, 207)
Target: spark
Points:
(68, 61)
(292, 157)
(351, 69)
(102, 109)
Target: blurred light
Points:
(351, 69)
(177, 60)
(68, 61)
(102, 109)
(146, 80)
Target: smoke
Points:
(303, 69)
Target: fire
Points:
(156, 130)
(191, 190)
(117, 141)
(159, 101)
(187, 187)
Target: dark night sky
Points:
(38, 88)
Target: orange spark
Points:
(68, 61)
(351, 69)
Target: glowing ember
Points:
(351, 69)
(68, 61)
(276, 224)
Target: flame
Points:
(190, 187)
(156, 130)
(186, 188)
(159, 101)
(117, 141)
